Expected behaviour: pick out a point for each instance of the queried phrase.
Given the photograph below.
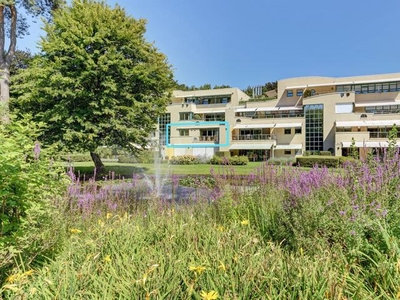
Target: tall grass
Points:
(278, 233)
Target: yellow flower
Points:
(245, 222)
(101, 223)
(74, 230)
(198, 270)
(108, 216)
(13, 278)
(27, 273)
(221, 228)
(107, 258)
(211, 295)
(222, 266)
(17, 277)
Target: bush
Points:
(325, 153)
(311, 161)
(184, 160)
(346, 159)
(29, 186)
(127, 159)
(233, 160)
(282, 161)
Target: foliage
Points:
(20, 61)
(29, 185)
(282, 233)
(354, 152)
(392, 142)
(13, 24)
(311, 161)
(97, 82)
(282, 161)
(184, 160)
(325, 153)
(232, 160)
(207, 86)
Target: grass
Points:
(295, 234)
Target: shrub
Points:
(184, 160)
(233, 160)
(325, 153)
(128, 159)
(29, 185)
(311, 161)
(282, 161)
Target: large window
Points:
(289, 93)
(276, 114)
(219, 99)
(370, 88)
(314, 116)
(209, 134)
(383, 109)
(163, 120)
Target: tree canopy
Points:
(97, 81)
(13, 24)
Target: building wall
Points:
(324, 92)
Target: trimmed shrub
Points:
(184, 160)
(282, 161)
(127, 159)
(325, 153)
(223, 153)
(233, 160)
(311, 161)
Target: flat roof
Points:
(335, 83)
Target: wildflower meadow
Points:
(281, 232)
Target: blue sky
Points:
(246, 43)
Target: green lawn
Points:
(126, 169)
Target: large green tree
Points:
(96, 82)
(13, 24)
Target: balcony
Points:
(253, 137)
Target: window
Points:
(288, 130)
(289, 93)
(185, 116)
(184, 132)
(163, 120)
(299, 93)
(288, 152)
(314, 127)
(297, 130)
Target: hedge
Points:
(311, 161)
(233, 160)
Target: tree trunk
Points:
(100, 170)
(4, 96)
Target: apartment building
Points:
(308, 114)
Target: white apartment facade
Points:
(309, 114)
